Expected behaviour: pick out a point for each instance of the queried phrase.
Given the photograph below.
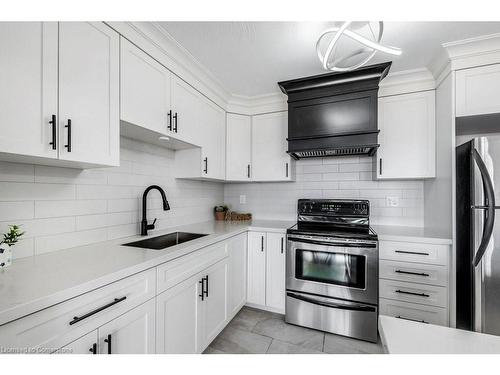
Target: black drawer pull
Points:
(262, 243)
(202, 295)
(413, 273)
(410, 252)
(412, 293)
(281, 245)
(77, 319)
(175, 122)
(93, 349)
(206, 290)
(54, 132)
(108, 341)
(286, 169)
(248, 170)
(206, 165)
(68, 146)
(412, 320)
(169, 115)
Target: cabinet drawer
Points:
(412, 311)
(413, 272)
(65, 322)
(180, 269)
(415, 293)
(414, 252)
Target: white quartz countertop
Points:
(34, 283)
(407, 337)
(411, 234)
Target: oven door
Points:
(334, 269)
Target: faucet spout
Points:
(144, 223)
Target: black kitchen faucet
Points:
(144, 223)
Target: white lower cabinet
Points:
(237, 274)
(87, 344)
(266, 270)
(130, 333)
(414, 281)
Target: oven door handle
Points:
(324, 243)
(330, 304)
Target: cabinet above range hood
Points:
(334, 114)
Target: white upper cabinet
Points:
(213, 144)
(238, 147)
(478, 90)
(28, 88)
(407, 136)
(186, 106)
(270, 162)
(145, 90)
(89, 97)
(60, 93)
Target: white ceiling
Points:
(249, 58)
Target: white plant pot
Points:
(5, 255)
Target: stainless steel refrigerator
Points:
(478, 235)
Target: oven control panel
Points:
(334, 207)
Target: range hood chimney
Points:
(334, 114)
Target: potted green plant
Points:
(220, 212)
(9, 239)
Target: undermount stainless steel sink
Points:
(167, 240)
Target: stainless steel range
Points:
(332, 268)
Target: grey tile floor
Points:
(259, 332)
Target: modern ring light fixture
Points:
(372, 46)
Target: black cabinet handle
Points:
(93, 349)
(206, 290)
(169, 115)
(108, 341)
(248, 170)
(281, 245)
(412, 320)
(286, 169)
(410, 252)
(262, 243)
(206, 165)
(54, 132)
(175, 122)
(68, 146)
(380, 165)
(413, 273)
(412, 293)
(202, 295)
(77, 319)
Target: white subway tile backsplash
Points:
(17, 210)
(346, 177)
(61, 208)
(69, 208)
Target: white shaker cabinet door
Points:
(237, 284)
(213, 143)
(84, 345)
(215, 303)
(275, 271)
(145, 90)
(89, 93)
(407, 136)
(178, 318)
(28, 88)
(130, 333)
(238, 147)
(186, 105)
(270, 162)
(256, 285)
(478, 90)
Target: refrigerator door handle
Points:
(489, 208)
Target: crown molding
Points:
(252, 105)
(407, 81)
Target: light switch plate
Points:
(243, 199)
(392, 201)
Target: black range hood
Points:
(334, 114)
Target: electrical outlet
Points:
(243, 199)
(392, 201)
